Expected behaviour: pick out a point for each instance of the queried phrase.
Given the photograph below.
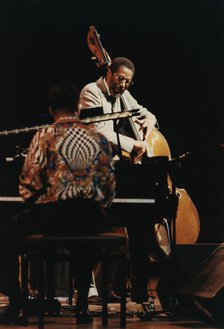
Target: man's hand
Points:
(146, 125)
(139, 149)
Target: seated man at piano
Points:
(66, 181)
(111, 93)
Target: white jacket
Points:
(95, 94)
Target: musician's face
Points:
(119, 81)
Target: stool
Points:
(109, 247)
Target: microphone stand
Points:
(119, 149)
(87, 120)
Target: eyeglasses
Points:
(122, 79)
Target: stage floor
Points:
(160, 320)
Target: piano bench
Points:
(109, 246)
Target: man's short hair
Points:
(122, 61)
(62, 95)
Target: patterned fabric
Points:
(68, 160)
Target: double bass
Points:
(187, 222)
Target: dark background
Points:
(178, 50)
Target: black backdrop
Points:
(177, 47)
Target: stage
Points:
(161, 320)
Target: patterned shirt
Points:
(68, 160)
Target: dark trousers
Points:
(142, 242)
(71, 217)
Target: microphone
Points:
(176, 163)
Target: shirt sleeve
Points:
(106, 176)
(32, 174)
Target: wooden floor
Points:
(132, 323)
(160, 320)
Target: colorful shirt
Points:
(68, 160)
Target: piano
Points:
(141, 188)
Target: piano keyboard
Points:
(116, 200)
(130, 200)
(11, 199)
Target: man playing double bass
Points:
(111, 93)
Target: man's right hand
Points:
(138, 151)
(139, 147)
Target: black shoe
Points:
(83, 317)
(10, 317)
(52, 306)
